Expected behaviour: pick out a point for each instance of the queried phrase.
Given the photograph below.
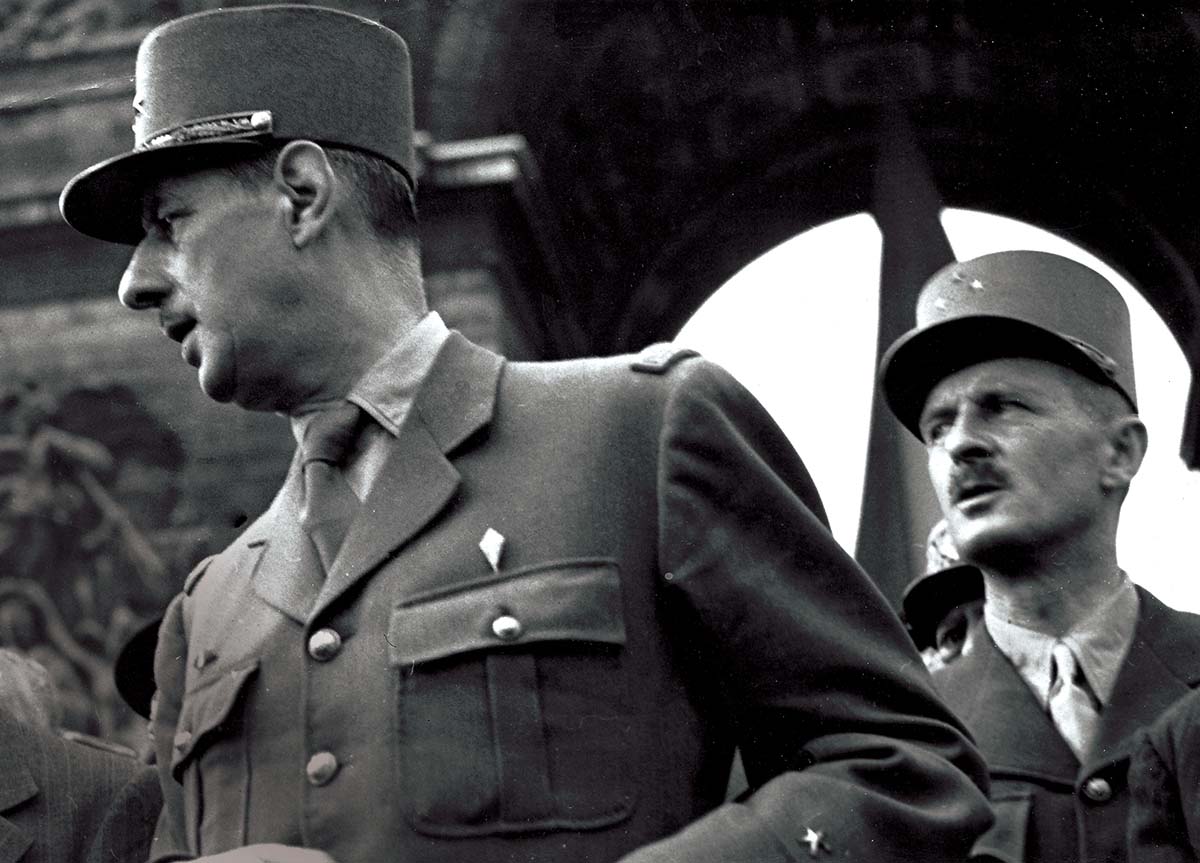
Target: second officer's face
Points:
(1016, 459)
(218, 264)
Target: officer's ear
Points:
(1127, 441)
(306, 179)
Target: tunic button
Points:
(507, 628)
(324, 644)
(1097, 790)
(182, 739)
(321, 768)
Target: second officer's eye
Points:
(934, 428)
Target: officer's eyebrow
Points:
(151, 203)
(155, 201)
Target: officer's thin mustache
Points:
(973, 476)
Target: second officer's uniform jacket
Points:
(666, 590)
(1049, 807)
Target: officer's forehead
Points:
(175, 187)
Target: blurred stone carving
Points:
(37, 28)
(85, 479)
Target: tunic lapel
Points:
(418, 480)
(1160, 668)
(1014, 734)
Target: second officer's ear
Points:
(306, 178)
(1127, 440)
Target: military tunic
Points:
(667, 590)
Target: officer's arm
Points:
(848, 751)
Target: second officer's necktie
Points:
(1072, 706)
(329, 504)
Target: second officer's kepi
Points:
(1009, 304)
(212, 84)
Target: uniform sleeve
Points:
(848, 751)
(1163, 774)
(170, 662)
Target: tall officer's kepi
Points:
(215, 83)
(1009, 304)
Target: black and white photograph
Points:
(599, 431)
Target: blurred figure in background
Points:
(65, 801)
(940, 607)
(133, 674)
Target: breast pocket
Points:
(514, 710)
(209, 759)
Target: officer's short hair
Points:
(382, 194)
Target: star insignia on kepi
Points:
(815, 842)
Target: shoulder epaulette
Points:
(658, 358)
(189, 583)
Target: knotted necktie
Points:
(329, 503)
(1072, 706)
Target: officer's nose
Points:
(966, 439)
(144, 285)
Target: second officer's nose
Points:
(965, 440)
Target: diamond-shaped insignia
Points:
(492, 546)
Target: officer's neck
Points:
(1053, 593)
(368, 303)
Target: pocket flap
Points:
(204, 711)
(578, 600)
(1005, 839)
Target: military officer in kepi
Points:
(498, 611)
(1018, 377)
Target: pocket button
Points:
(507, 628)
(321, 768)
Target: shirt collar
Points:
(389, 388)
(1100, 642)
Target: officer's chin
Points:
(217, 381)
